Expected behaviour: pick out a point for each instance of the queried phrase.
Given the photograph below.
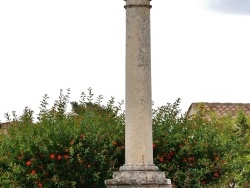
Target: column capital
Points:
(137, 3)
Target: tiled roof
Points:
(221, 109)
(4, 125)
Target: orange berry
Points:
(28, 163)
(33, 172)
(52, 156)
(161, 159)
(59, 157)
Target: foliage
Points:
(240, 164)
(84, 147)
(193, 151)
(203, 150)
(63, 149)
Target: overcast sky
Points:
(200, 51)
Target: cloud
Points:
(229, 6)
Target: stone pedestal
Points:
(139, 169)
(138, 176)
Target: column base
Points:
(143, 176)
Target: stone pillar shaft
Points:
(138, 101)
(139, 169)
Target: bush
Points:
(192, 151)
(84, 147)
(77, 149)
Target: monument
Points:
(139, 169)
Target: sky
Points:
(200, 51)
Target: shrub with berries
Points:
(82, 148)
(62, 149)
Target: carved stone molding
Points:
(139, 5)
(138, 178)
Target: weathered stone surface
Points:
(131, 176)
(138, 101)
(139, 169)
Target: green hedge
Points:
(84, 147)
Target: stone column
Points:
(139, 169)
(138, 102)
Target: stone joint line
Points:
(139, 5)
